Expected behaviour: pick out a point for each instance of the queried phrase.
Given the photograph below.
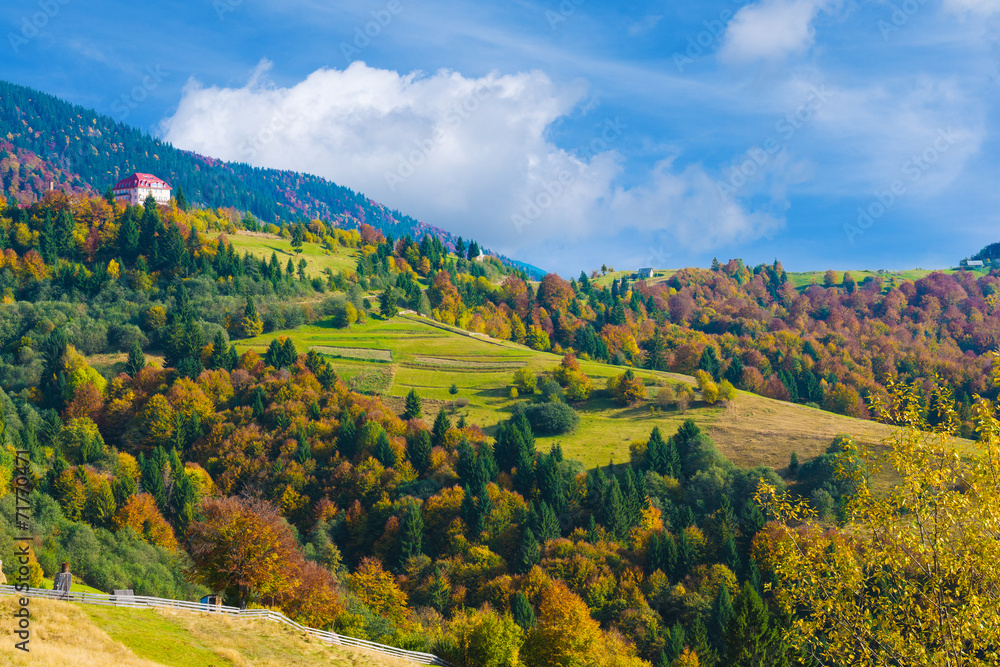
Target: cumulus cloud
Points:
(472, 155)
(770, 30)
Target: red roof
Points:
(138, 180)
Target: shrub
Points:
(525, 381)
(552, 418)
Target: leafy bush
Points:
(552, 418)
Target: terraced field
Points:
(430, 356)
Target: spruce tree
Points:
(528, 554)
(182, 202)
(387, 307)
(384, 452)
(700, 644)
(750, 637)
(413, 406)
(136, 360)
(548, 523)
(615, 512)
(675, 642)
(523, 613)
(465, 466)
(411, 534)
(656, 454)
(440, 428)
(347, 436)
(418, 450)
(128, 237)
(721, 616)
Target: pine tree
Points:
(418, 450)
(699, 643)
(615, 512)
(750, 638)
(721, 616)
(528, 554)
(441, 426)
(656, 454)
(182, 202)
(128, 237)
(136, 360)
(384, 452)
(413, 406)
(521, 610)
(387, 307)
(411, 534)
(675, 642)
(548, 523)
(347, 437)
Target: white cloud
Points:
(980, 7)
(645, 25)
(770, 30)
(472, 155)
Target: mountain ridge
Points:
(89, 151)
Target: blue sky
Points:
(826, 133)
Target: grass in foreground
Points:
(65, 633)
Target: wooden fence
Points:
(144, 602)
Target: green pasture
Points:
(318, 258)
(430, 356)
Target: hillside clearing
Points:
(430, 357)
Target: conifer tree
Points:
(128, 237)
(347, 437)
(182, 202)
(547, 523)
(750, 637)
(418, 450)
(387, 307)
(384, 452)
(699, 643)
(721, 616)
(522, 612)
(615, 512)
(411, 534)
(528, 554)
(136, 359)
(413, 406)
(441, 426)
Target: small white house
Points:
(134, 189)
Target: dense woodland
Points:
(416, 529)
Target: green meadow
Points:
(391, 357)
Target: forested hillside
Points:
(82, 149)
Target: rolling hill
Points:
(391, 357)
(46, 140)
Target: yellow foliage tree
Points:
(377, 588)
(912, 577)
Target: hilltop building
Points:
(134, 189)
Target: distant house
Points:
(645, 273)
(971, 263)
(134, 189)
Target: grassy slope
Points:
(70, 634)
(317, 258)
(430, 356)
